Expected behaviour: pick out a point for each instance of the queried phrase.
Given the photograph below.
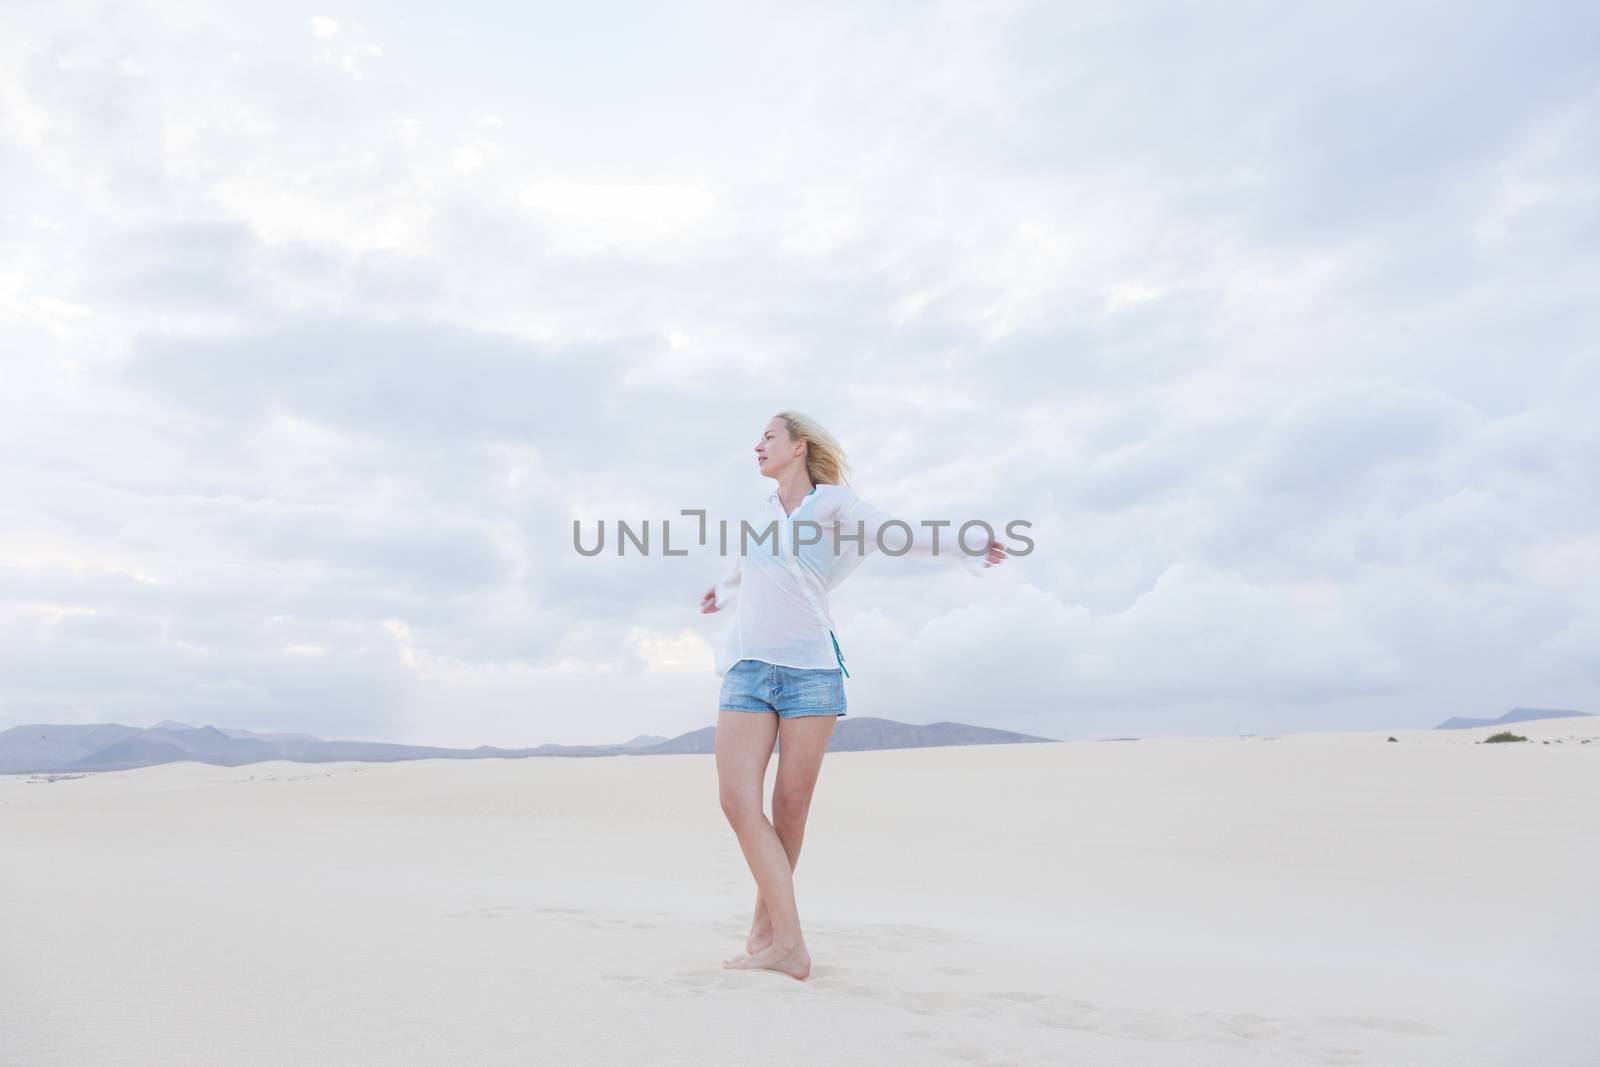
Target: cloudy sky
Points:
(319, 326)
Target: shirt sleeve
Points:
(856, 516)
(727, 587)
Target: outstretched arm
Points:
(723, 593)
(856, 516)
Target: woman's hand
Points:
(708, 603)
(996, 556)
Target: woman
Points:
(783, 672)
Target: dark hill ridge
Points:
(1514, 715)
(115, 747)
(866, 733)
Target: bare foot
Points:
(760, 934)
(792, 960)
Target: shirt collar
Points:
(773, 499)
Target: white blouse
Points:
(782, 610)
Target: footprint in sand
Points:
(1284, 1040)
(1368, 1022)
(582, 915)
(1325, 1040)
(701, 982)
(491, 911)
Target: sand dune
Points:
(1308, 899)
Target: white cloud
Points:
(315, 345)
(587, 218)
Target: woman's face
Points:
(777, 452)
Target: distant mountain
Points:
(278, 737)
(115, 747)
(853, 734)
(1514, 715)
(129, 752)
(701, 740)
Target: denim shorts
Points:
(754, 685)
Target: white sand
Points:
(1320, 898)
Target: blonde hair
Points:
(825, 462)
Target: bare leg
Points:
(802, 743)
(744, 748)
